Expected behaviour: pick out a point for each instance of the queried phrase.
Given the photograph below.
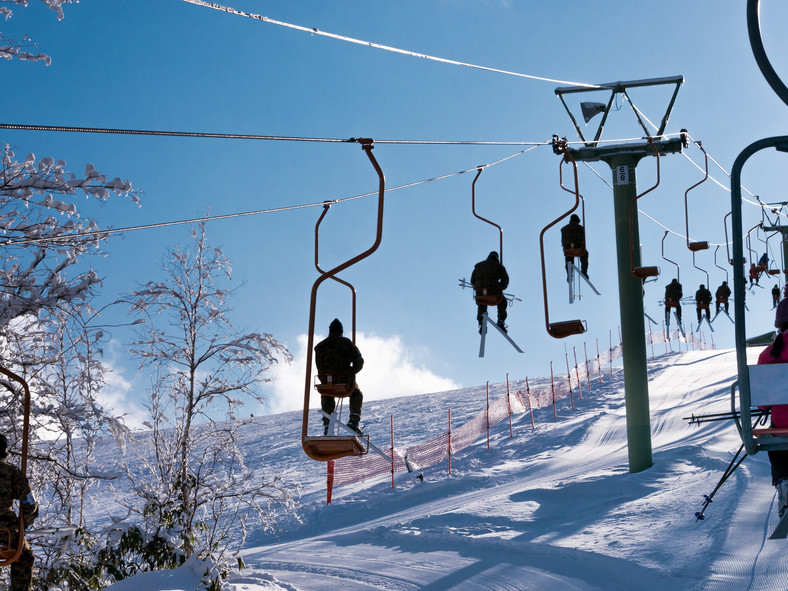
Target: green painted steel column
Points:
(630, 295)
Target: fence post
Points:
(665, 337)
(329, 480)
(530, 405)
(552, 387)
(651, 338)
(577, 374)
(598, 361)
(569, 378)
(449, 441)
(588, 373)
(610, 353)
(392, 451)
(509, 406)
(487, 415)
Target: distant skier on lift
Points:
(337, 356)
(573, 237)
(673, 295)
(755, 274)
(775, 296)
(722, 294)
(702, 302)
(491, 275)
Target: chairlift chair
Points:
(560, 330)
(325, 448)
(641, 272)
(702, 245)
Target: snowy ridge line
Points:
(351, 469)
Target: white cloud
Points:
(389, 371)
(118, 392)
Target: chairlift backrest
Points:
(768, 384)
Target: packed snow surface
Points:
(551, 508)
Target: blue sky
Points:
(170, 65)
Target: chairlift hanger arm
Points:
(473, 208)
(568, 328)
(641, 272)
(678, 269)
(693, 246)
(326, 207)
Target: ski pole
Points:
(699, 515)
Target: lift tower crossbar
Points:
(620, 88)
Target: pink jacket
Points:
(779, 411)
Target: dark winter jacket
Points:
(15, 487)
(338, 356)
(490, 274)
(703, 296)
(723, 291)
(573, 235)
(673, 291)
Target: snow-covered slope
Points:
(550, 508)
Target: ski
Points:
(781, 531)
(485, 323)
(570, 278)
(700, 324)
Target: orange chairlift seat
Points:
(702, 245)
(641, 272)
(10, 553)
(332, 447)
(560, 330)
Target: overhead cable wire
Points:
(111, 231)
(240, 136)
(315, 31)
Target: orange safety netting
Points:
(433, 451)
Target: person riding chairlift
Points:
(573, 238)
(777, 352)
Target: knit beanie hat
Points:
(335, 327)
(782, 313)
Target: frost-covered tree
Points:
(10, 48)
(196, 490)
(42, 233)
